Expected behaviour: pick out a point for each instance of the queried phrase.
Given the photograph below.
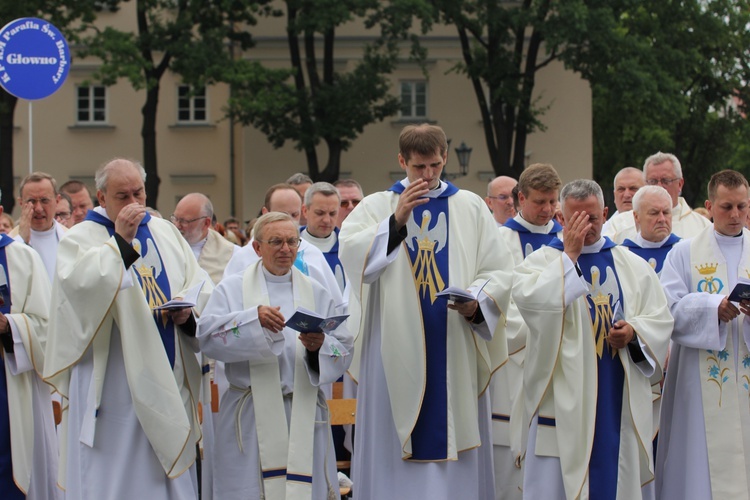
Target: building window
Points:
(92, 104)
(191, 104)
(413, 100)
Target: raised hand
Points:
(411, 197)
(574, 234)
(126, 224)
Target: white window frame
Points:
(91, 108)
(192, 105)
(413, 112)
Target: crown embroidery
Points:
(707, 269)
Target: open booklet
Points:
(306, 321)
(741, 291)
(457, 294)
(189, 300)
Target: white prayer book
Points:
(189, 300)
(457, 294)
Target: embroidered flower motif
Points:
(717, 373)
(335, 353)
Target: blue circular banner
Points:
(34, 58)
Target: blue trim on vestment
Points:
(8, 487)
(604, 461)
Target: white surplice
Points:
(32, 427)
(560, 372)
(237, 471)
(685, 223)
(390, 355)
(682, 465)
(132, 423)
(45, 243)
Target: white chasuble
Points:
(95, 300)
(560, 370)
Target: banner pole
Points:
(31, 140)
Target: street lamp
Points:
(464, 153)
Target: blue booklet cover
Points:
(305, 321)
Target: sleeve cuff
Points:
(128, 253)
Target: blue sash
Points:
(532, 241)
(427, 244)
(599, 272)
(654, 256)
(8, 487)
(151, 276)
(332, 258)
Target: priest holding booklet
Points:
(273, 439)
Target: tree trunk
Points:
(333, 167)
(148, 133)
(7, 110)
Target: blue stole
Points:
(599, 271)
(654, 256)
(151, 276)
(532, 241)
(332, 258)
(427, 244)
(7, 485)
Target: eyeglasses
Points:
(501, 197)
(62, 215)
(663, 182)
(43, 201)
(346, 203)
(184, 222)
(278, 243)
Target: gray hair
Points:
(658, 159)
(323, 188)
(581, 189)
(102, 173)
(646, 190)
(270, 218)
(299, 178)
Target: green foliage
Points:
(193, 38)
(669, 85)
(314, 101)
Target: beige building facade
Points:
(83, 125)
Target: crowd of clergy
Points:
(522, 345)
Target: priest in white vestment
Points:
(37, 227)
(598, 329)
(423, 417)
(273, 436)
(129, 371)
(28, 444)
(311, 261)
(662, 169)
(533, 227)
(704, 441)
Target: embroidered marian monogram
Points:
(709, 284)
(149, 270)
(430, 240)
(600, 301)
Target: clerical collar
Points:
(432, 193)
(723, 238)
(638, 240)
(284, 278)
(101, 211)
(595, 247)
(533, 228)
(323, 244)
